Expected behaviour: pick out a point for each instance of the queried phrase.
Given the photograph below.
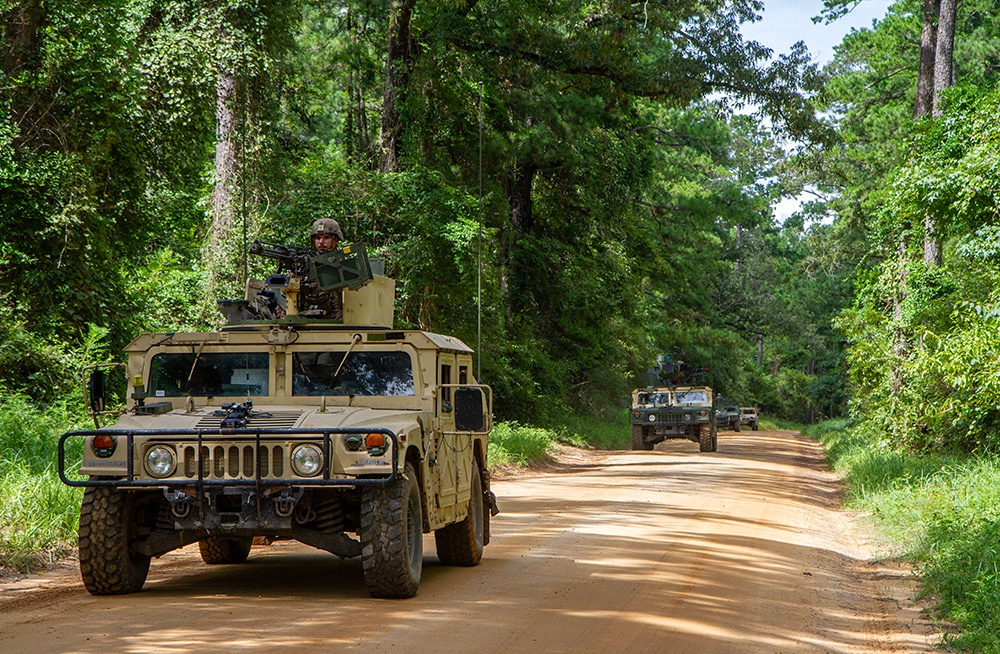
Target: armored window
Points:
(370, 373)
(446, 379)
(691, 397)
(209, 374)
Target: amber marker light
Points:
(104, 445)
(375, 440)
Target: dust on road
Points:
(740, 551)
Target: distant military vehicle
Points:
(749, 416)
(727, 415)
(346, 435)
(673, 409)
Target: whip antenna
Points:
(479, 261)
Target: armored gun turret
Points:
(347, 274)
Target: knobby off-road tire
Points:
(707, 439)
(755, 426)
(462, 542)
(392, 550)
(638, 442)
(107, 523)
(217, 551)
(738, 426)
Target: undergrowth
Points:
(38, 514)
(939, 512)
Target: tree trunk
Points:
(943, 78)
(517, 186)
(928, 44)
(225, 158)
(944, 52)
(223, 211)
(760, 350)
(398, 60)
(22, 25)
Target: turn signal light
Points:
(104, 445)
(375, 440)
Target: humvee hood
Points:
(284, 417)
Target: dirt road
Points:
(670, 551)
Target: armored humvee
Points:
(346, 435)
(670, 411)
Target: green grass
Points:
(514, 444)
(38, 514)
(941, 513)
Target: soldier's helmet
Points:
(326, 226)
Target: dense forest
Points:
(571, 187)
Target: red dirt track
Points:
(671, 551)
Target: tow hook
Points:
(284, 502)
(180, 503)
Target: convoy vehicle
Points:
(728, 417)
(658, 414)
(346, 435)
(749, 416)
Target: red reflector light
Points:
(103, 442)
(375, 440)
(635, 413)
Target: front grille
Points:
(259, 419)
(671, 416)
(233, 461)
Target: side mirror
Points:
(96, 391)
(469, 409)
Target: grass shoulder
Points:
(939, 512)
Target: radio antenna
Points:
(479, 261)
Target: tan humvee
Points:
(348, 436)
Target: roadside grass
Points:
(939, 512)
(515, 445)
(38, 514)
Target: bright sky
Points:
(786, 22)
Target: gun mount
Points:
(302, 275)
(668, 372)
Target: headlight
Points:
(652, 417)
(307, 460)
(687, 417)
(160, 461)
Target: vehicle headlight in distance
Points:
(160, 461)
(687, 417)
(307, 460)
(652, 417)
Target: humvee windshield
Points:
(364, 373)
(690, 397)
(749, 411)
(208, 374)
(654, 398)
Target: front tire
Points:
(462, 543)
(392, 550)
(219, 551)
(638, 438)
(108, 563)
(707, 439)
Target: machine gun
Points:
(300, 275)
(669, 372)
(291, 259)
